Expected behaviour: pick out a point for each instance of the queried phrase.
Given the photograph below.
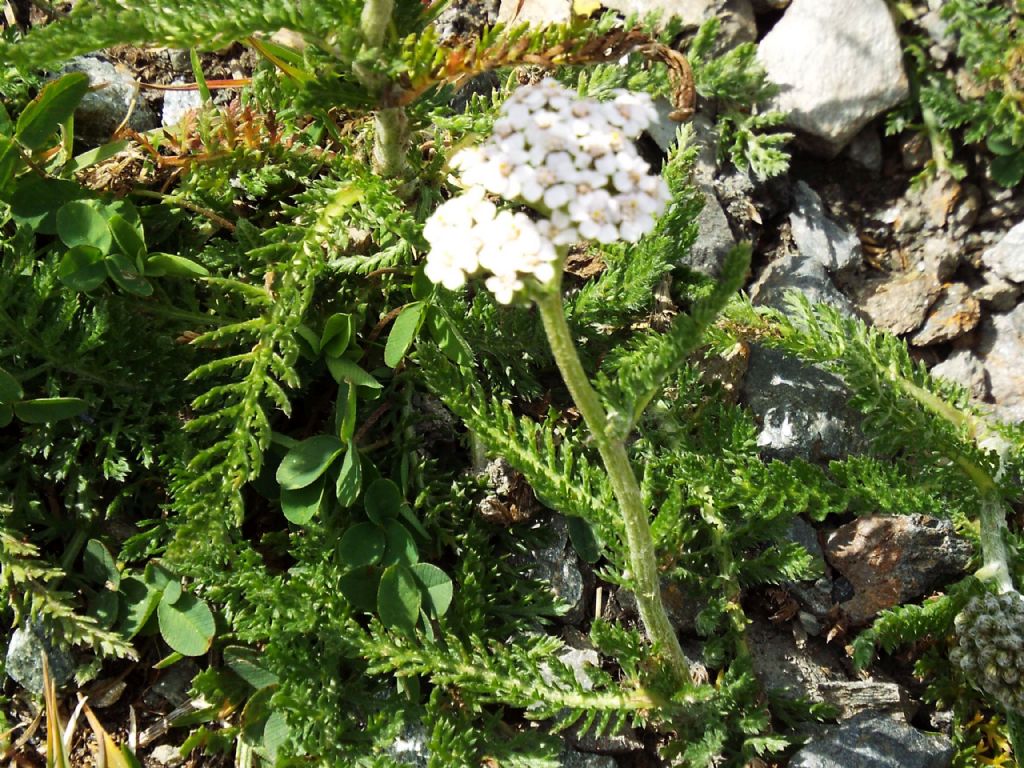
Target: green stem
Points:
(642, 563)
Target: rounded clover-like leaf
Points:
(308, 460)
(436, 586)
(187, 625)
(363, 544)
(383, 500)
(399, 599)
(80, 222)
(300, 505)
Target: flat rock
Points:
(1000, 294)
(837, 64)
(889, 560)
(851, 697)
(794, 272)
(802, 410)
(786, 667)
(967, 370)
(955, 313)
(871, 740)
(901, 305)
(113, 98)
(1006, 258)
(24, 661)
(819, 237)
(538, 12)
(714, 237)
(1001, 349)
(571, 758)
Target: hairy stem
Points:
(390, 125)
(642, 563)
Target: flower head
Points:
(568, 158)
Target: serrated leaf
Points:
(55, 103)
(404, 330)
(47, 409)
(187, 625)
(363, 544)
(399, 599)
(307, 461)
(1008, 170)
(436, 585)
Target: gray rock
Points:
(814, 595)
(576, 659)
(819, 237)
(1000, 294)
(940, 257)
(736, 17)
(851, 697)
(411, 747)
(794, 272)
(24, 661)
(964, 368)
(570, 758)
(177, 104)
(465, 18)
(167, 754)
(1006, 258)
(116, 97)
(538, 12)
(802, 410)
(955, 313)
(866, 150)
(901, 305)
(838, 65)
(714, 237)
(889, 560)
(556, 564)
(870, 740)
(788, 667)
(1001, 349)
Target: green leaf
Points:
(362, 545)
(245, 662)
(1008, 170)
(172, 265)
(350, 479)
(399, 599)
(172, 593)
(300, 505)
(125, 274)
(343, 369)
(584, 539)
(337, 334)
(308, 460)
(275, 734)
(104, 606)
(80, 222)
(436, 586)
(35, 202)
(97, 155)
(6, 415)
(401, 548)
(50, 109)
(47, 409)
(348, 414)
(359, 586)
(382, 501)
(187, 625)
(448, 338)
(140, 601)
(99, 565)
(127, 237)
(10, 389)
(82, 268)
(406, 326)
(10, 163)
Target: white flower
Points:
(504, 287)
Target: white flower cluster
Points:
(568, 158)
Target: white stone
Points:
(819, 237)
(177, 104)
(1006, 258)
(537, 12)
(838, 65)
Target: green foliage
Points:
(979, 104)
